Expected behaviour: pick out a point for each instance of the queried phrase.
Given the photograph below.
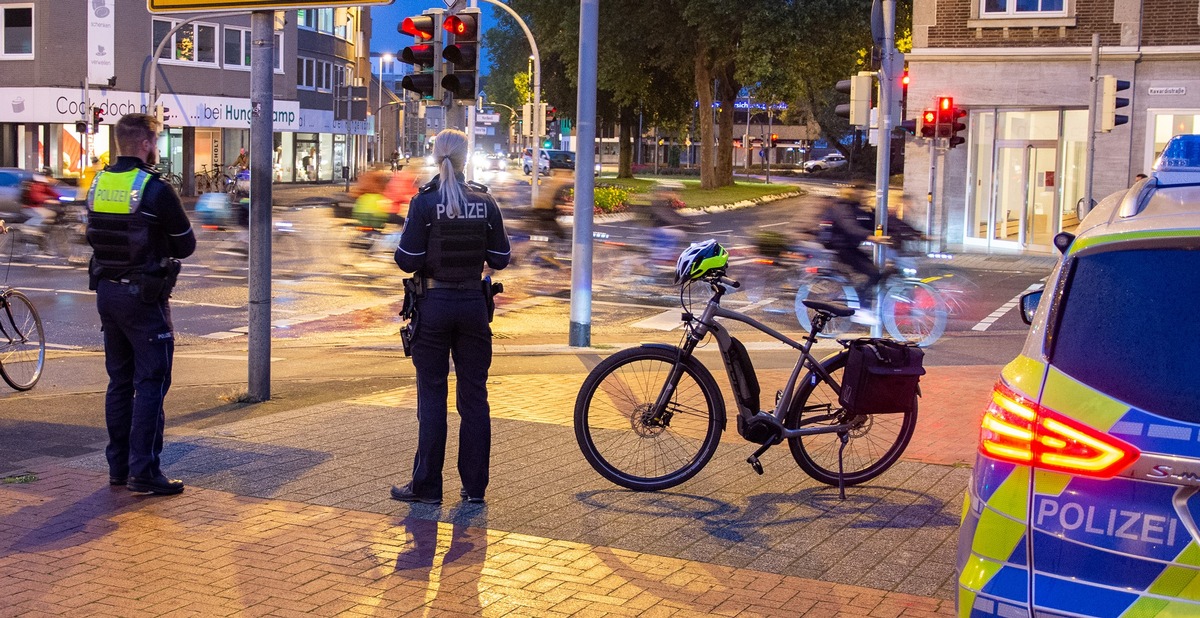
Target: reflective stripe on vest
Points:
(118, 193)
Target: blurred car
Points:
(830, 161)
(561, 159)
(1085, 493)
(527, 162)
(493, 163)
(20, 188)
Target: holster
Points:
(490, 290)
(414, 288)
(157, 286)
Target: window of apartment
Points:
(995, 8)
(196, 43)
(307, 19)
(305, 73)
(237, 48)
(325, 20)
(16, 31)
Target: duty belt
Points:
(432, 284)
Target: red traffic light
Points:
(945, 103)
(930, 117)
(420, 26)
(904, 80)
(461, 26)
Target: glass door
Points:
(1025, 209)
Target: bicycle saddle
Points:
(837, 311)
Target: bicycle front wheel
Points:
(876, 441)
(914, 311)
(22, 342)
(617, 435)
(826, 290)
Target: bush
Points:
(611, 199)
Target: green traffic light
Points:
(546, 144)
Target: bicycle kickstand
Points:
(845, 438)
(753, 459)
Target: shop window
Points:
(16, 32)
(193, 43)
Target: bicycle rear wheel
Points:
(914, 311)
(827, 290)
(876, 440)
(633, 451)
(22, 342)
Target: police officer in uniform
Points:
(135, 226)
(453, 229)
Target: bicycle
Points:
(22, 341)
(649, 418)
(911, 309)
(211, 181)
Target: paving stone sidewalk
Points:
(289, 514)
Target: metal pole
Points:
(262, 106)
(883, 153)
(585, 184)
(930, 195)
(746, 137)
(770, 127)
(1091, 138)
(378, 120)
(537, 93)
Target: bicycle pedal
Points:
(754, 463)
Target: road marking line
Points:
(73, 292)
(63, 346)
(176, 301)
(667, 320)
(221, 335)
(1005, 308)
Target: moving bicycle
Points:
(22, 341)
(650, 417)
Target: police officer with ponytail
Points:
(454, 229)
(138, 230)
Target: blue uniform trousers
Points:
(452, 323)
(139, 345)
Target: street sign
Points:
(179, 6)
(487, 117)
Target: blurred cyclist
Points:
(845, 225)
(372, 208)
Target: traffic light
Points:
(858, 111)
(462, 51)
(947, 121)
(160, 113)
(1110, 102)
(551, 117)
(904, 80)
(425, 55)
(774, 140)
(928, 124)
(97, 117)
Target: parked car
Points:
(1080, 502)
(830, 161)
(20, 188)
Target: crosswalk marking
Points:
(986, 323)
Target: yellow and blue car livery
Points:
(1085, 496)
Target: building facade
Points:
(62, 59)
(1022, 69)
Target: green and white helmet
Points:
(700, 259)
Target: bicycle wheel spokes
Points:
(875, 441)
(22, 342)
(914, 312)
(826, 290)
(622, 438)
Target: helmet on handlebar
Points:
(700, 259)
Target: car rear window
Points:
(1128, 328)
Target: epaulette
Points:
(476, 187)
(432, 185)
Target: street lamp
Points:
(387, 57)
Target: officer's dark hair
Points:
(450, 154)
(132, 129)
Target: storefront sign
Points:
(170, 6)
(101, 20)
(69, 105)
(321, 121)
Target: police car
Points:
(1085, 497)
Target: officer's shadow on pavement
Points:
(448, 557)
(68, 520)
(864, 507)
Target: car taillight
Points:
(1017, 430)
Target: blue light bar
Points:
(1181, 154)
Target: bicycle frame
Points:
(707, 323)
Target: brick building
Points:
(1022, 70)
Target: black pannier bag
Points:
(881, 376)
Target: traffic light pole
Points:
(883, 152)
(262, 114)
(537, 96)
(1091, 138)
(585, 184)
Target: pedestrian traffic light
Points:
(928, 124)
(1109, 117)
(947, 121)
(425, 55)
(904, 94)
(462, 50)
(97, 117)
(858, 110)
